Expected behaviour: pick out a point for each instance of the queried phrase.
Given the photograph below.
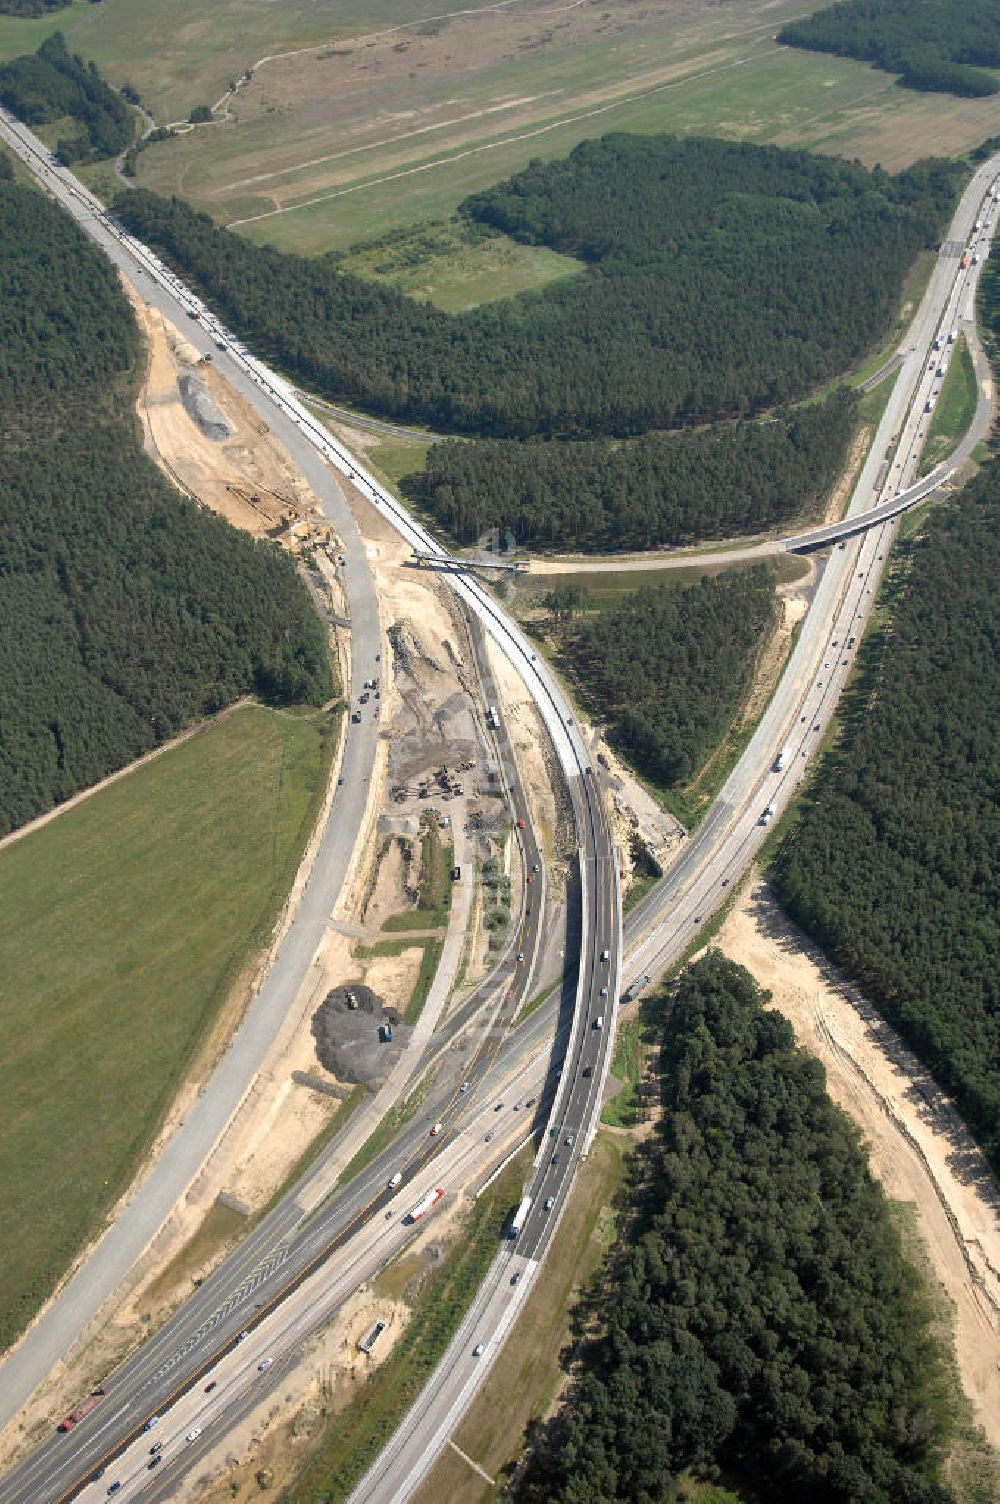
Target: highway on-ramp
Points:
(693, 882)
(312, 448)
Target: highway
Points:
(669, 919)
(310, 445)
(667, 923)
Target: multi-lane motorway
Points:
(356, 1230)
(310, 445)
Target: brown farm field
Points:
(364, 119)
(337, 144)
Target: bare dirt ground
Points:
(920, 1151)
(246, 477)
(266, 1451)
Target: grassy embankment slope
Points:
(124, 924)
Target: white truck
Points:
(520, 1217)
(781, 761)
(423, 1206)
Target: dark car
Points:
(154, 1463)
(210, 1387)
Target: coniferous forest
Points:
(663, 489)
(31, 7)
(895, 865)
(719, 278)
(125, 610)
(934, 45)
(758, 1313)
(53, 83)
(668, 666)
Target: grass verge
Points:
(434, 900)
(956, 407)
(528, 1372)
(125, 923)
(354, 1436)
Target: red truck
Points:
(93, 1399)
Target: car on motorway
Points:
(209, 1387)
(550, 1203)
(479, 1349)
(264, 1365)
(436, 1130)
(151, 1422)
(605, 955)
(243, 1336)
(156, 1447)
(488, 1136)
(569, 1140)
(515, 1279)
(114, 1487)
(555, 1159)
(464, 1086)
(588, 1070)
(155, 1462)
(498, 1107)
(395, 1180)
(604, 992)
(520, 955)
(193, 1435)
(536, 868)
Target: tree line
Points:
(720, 278)
(668, 666)
(51, 83)
(895, 865)
(30, 8)
(757, 1313)
(125, 610)
(932, 45)
(662, 489)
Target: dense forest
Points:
(895, 866)
(720, 278)
(933, 45)
(53, 83)
(758, 1313)
(661, 489)
(31, 7)
(668, 666)
(125, 610)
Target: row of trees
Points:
(25, 8)
(720, 278)
(895, 866)
(125, 611)
(758, 1313)
(659, 490)
(933, 45)
(52, 83)
(668, 666)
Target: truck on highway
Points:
(93, 1399)
(520, 1217)
(781, 761)
(423, 1206)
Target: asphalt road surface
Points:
(693, 882)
